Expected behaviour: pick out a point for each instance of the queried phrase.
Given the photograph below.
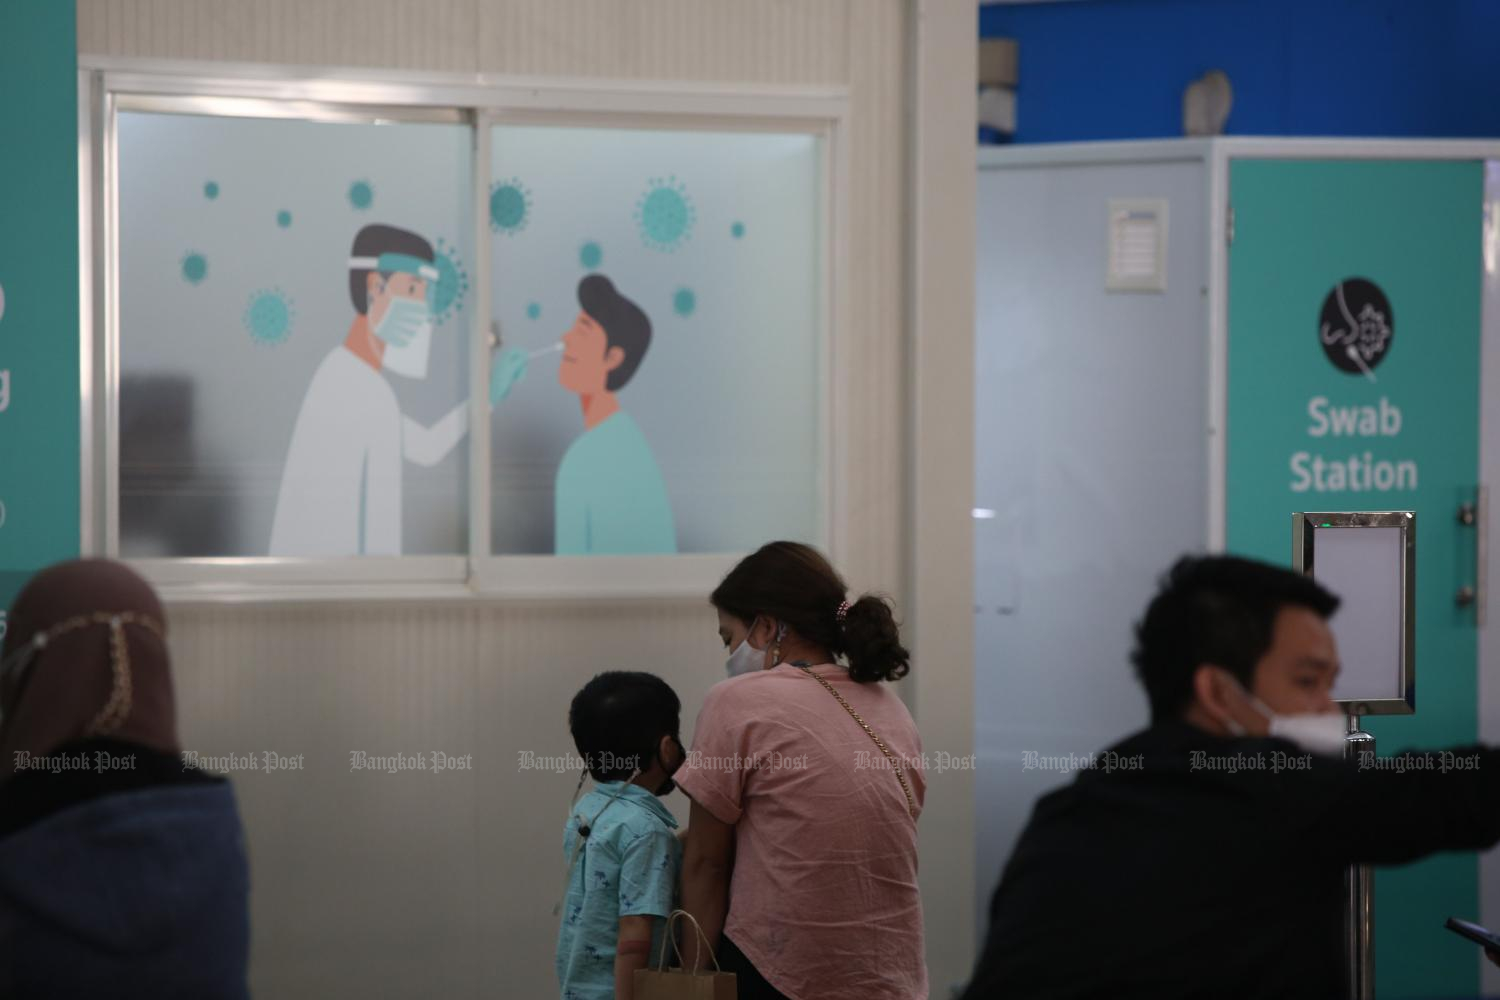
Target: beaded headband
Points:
(113, 714)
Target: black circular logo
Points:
(1356, 327)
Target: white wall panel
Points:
(417, 884)
(1489, 475)
(1090, 453)
(389, 34)
(412, 883)
(941, 481)
(771, 41)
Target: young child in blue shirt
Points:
(620, 841)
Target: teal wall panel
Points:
(39, 363)
(1312, 427)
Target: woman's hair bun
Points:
(872, 641)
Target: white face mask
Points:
(745, 658)
(1315, 732)
(406, 328)
(411, 358)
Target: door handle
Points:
(1475, 514)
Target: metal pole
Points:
(1359, 895)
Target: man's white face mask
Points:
(406, 329)
(1315, 732)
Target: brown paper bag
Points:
(662, 983)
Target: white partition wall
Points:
(399, 887)
(1170, 403)
(1090, 461)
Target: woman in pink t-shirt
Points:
(806, 782)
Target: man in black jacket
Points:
(1205, 856)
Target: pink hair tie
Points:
(843, 611)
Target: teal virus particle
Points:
(194, 267)
(211, 190)
(665, 215)
(361, 195)
(737, 230)
(510, 206)
(534, 311)
(452, 285)
(284, 219)
(684, 302)
(591, 255)
(268, 317)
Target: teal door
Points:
(1354, 291)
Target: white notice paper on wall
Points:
(1137, 245)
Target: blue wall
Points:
(1115, 69)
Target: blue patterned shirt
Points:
(628, 866)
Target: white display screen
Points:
(1364, 567)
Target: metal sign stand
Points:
(1359, 895)
(1358, 551)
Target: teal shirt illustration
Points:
(627, 867)
(611, 498)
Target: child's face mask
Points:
(669, 785)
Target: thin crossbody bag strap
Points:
(911, 803)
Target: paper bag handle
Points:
(661, 962)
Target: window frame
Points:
(483, 103)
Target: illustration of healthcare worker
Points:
(341, 486)
(611, 498)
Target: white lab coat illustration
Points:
(341, 487)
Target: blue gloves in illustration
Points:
(403, 320)
(505, 371)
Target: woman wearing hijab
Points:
(122, 871)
